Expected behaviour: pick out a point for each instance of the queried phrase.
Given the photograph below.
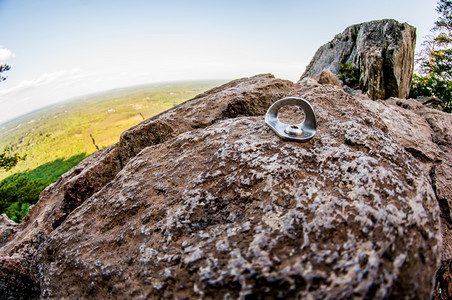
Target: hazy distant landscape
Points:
(56, 138)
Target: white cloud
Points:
(38, 92)
(5, 54)
(44, 79)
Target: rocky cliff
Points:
(381, 54)
(205, 201)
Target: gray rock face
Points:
(205, 201)
(381, 51)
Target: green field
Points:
(56, 138)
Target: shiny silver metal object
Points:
(301, 132)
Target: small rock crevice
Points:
(442, 202)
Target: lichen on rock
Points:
(212, 204)
(232, 210)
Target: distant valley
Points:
(56, 138)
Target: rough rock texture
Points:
(425, 133)
(326, 77)
(7, 228)
(16, 282)
(242, 96)
(210, 203)
(250, 97)
(240, 212)
(381, 51)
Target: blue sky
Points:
(62, 49)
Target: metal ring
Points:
(301, 132)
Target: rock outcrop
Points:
(326, 77)
(205, 201)
(381, 52)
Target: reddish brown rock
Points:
(7, 228)
(242, 97)
(326, 77)
(210, 203)
(16, 282)
(59, 199)
(425, 133)
(232, 210)
(240, 212)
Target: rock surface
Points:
(20, 242)
(427, 137)
(205, 201)
(326, 77)
(381, 51)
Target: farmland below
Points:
(58, 137)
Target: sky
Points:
(58, 50)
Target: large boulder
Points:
(19, 243)
(205, 201)
(232, 210)
(380, 52)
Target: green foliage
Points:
(17, 193)
(17, 211)
(435, 61)
(51, 171)
(349, 74)
(19, 189)
(444, 23)
(4, 68)
(9, 161)
(432, 86)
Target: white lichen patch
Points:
(193, 254)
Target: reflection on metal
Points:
(301, 132)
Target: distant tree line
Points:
(435, 60)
